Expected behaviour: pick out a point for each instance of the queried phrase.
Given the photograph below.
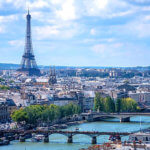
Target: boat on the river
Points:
(140, 137)
(77, 129)
(115, 137)
(37, 138)
(4, 142)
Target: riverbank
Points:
(118, 146)
(68, 124)
(62, 125)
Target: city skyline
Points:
(77, 33)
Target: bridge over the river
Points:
(124, 117)
(22, 135)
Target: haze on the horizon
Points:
(78, 32)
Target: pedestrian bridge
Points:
(22, 134)
(124, 117)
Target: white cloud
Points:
(67, 10)
(2, 29)
(108, 8)
(33, 4)
(142, 29)
(17, 3)
(59, 31)
(95, 6)
(17, 43)
(5, 20)
(38, 4)
(74, 9)
(97, 40)
(46, 32)
(44, 17)
(107, 49)
(57, 2)
(92, 31)
(138, 27)
(101, 4)
(120, 54)
(8, 18)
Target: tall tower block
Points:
(28, 63)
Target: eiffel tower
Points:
(28, 63)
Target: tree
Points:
(109, 105)
(36, 113)
(11, 81)
(128, 105)
(19, 116)
(104, 104)
(98, 102)
(1, 80)
(4, 87)
(118, 105)
(112, 104)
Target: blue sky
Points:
(78, 32)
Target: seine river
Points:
(59, 142)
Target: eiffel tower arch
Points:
(28, 63)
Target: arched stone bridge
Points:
(93, 134)
(124, 117)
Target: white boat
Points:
(77, 129)
(142, 137)
(37, 138)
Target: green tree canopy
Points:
(108, 105)
(19, 116)
(43, 113)
(128, 105)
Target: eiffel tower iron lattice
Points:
(28, 63)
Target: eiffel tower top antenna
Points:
(28, 10)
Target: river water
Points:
(59, 142)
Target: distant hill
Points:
(4, 66)
(7, 66)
